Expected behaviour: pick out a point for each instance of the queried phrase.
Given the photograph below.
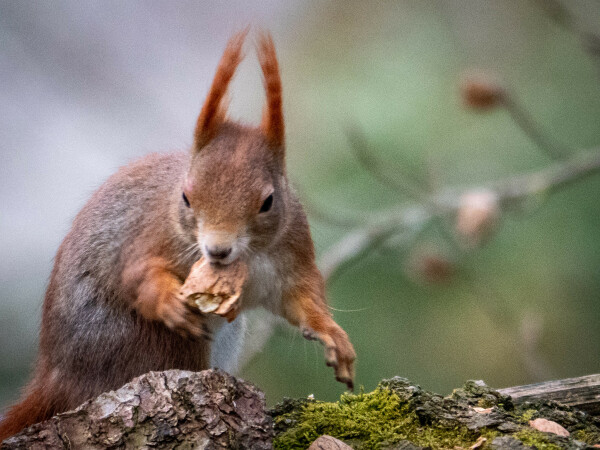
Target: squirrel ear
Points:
(213, 111)
(272, 124)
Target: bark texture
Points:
(172, 409)
(582, 392)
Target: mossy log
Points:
(401, 415)
(211, 409)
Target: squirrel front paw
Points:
(339, 352)
(181, 318)
(227, 307)
(154, 289)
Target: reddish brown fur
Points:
(305, 306)
(97, 333)
(31, 410)
(272, 123)
(213, 111)
(111, 310)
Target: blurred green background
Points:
(523, 308)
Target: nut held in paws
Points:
(208, 286)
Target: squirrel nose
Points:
(217, 252)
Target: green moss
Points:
(399, 411)
(537, 439)
(527, 415)
(370, 421)
(589, 437)
(485, 403)
(582, 427)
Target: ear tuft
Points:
(214, 110)
(272, 121)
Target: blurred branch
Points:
(557, 11)
(475, 211)
(410, 220)
(359, 242)
(551, 179)
(482, 91)
(335, 219)
(531, 329)
(397, 179)
(564, 17)
(524, 120)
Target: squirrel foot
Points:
(339, 352)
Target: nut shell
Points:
(215, 288)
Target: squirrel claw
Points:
(348, 383)
(309, 334)
(339, 353)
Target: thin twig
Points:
(522, 118)
(362, 240)
(353, 247)
(550, 179)
(399, 180)
(531, 328)
(564, 17)
(317, 212)
(330, 218)
(359, 241)
(557, 11)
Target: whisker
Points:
(244, 246)
(349, 310)
(191, 251)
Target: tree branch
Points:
(410, 220)
(522, 118)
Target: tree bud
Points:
(477, 217)
(430, 266)
(481, 92)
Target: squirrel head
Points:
(236, 188)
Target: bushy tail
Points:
(36, 407)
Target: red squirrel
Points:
(111, 310)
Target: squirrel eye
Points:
(185, 200)
(267, 204)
